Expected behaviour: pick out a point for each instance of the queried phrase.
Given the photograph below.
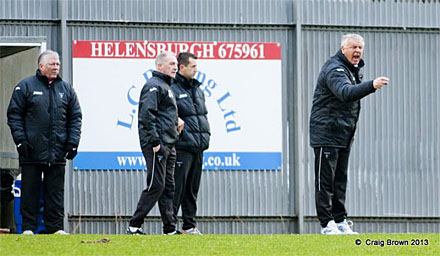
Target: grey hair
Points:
(161, 57)
(42, 59)
(347, 37)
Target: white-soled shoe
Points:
(134, 231)
(345, 227)
(175, 232)
(61, 232)
(192, 231)
(331, 229)
(28, 232)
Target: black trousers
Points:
(187, 176)
(53, 196)
(161, 190)
(331, 165)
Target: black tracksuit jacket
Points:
(336, 102)
(47, 116)
(157, 112)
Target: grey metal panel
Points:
(114, 226)
(395, 158)
(367, 13)
(32, 29)
(108, 193)
(184, 11)
(153, 226)
(28, 9)
(243, 193)
(222, 193)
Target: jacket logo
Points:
(181, 96)
(170, 94)
(326, 154)
(153, 89)
(340, 69)
(61, 94)
(17, 88)
(38, 93)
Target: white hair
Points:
(42, 59)
(347, 37)
(161, 57)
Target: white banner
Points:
(242, 89)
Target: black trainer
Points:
(137, 231)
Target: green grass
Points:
(215, 245)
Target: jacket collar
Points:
(188, 83)
(43, 78)
(350, 66)
(162, 76)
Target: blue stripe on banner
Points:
(242, 160)
(211, 161)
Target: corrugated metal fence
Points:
(394, 167)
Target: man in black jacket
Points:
(45, 121)
(159, 129)
(193, 140)
(335, 112)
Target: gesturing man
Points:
(335, 112)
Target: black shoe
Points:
(138, 231)
(175, 232)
